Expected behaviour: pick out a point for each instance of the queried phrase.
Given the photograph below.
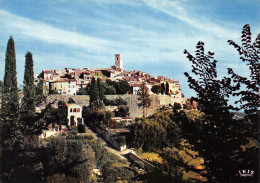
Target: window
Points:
(78, 110)
(74, 110)
(70, 109)
(68, 91)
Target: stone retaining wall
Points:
(132, 100)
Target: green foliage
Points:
(97, 105)
(10, 104)
(96, 91)
(144, 97)
(158, 131)
(224, 157)
(108, 89)
(9, 127)
(117, 102)
(156, 89)
(101, 90)
(123, 111)
(94, 94)
(122, 87)
(172, 157)
(249, 53)
(29, 90)
(113, 172)
(195, 115)
(147, 134)
(40, 93)
(71, 101)
(67, 161)
(63, 110)
(180, 164)
(50, 116)
(108, 116)
(187, 105)
(110, 82)
(98, 117)
(81, 128)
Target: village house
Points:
(74, 114)
(70, 81)
(63, 86)
(135, 87)
(71, 87)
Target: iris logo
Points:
(246, 173)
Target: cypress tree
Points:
(162, 88)
(167, 88)
(10, 105)
(94, 95)
(10, 98)
(29, 90)
(100, 89)
(10, 131)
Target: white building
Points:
(71, 87)
(136, 87)
(75, 111)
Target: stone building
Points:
(119, 61)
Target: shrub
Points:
(81, 128)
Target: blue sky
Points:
(151, 35)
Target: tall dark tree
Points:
(39, 93)
(10, 97)
(249, 53)
(162, 88)
(29, 89)
(9, 126)
(167, 88)
(249, 98)
(101, 89)
(223, 157)
(144, 97)
(10, 105)
(94, 95)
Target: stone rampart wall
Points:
(132, 101)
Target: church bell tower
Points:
(119, 61)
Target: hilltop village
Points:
(113, 125)
(70, 81)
